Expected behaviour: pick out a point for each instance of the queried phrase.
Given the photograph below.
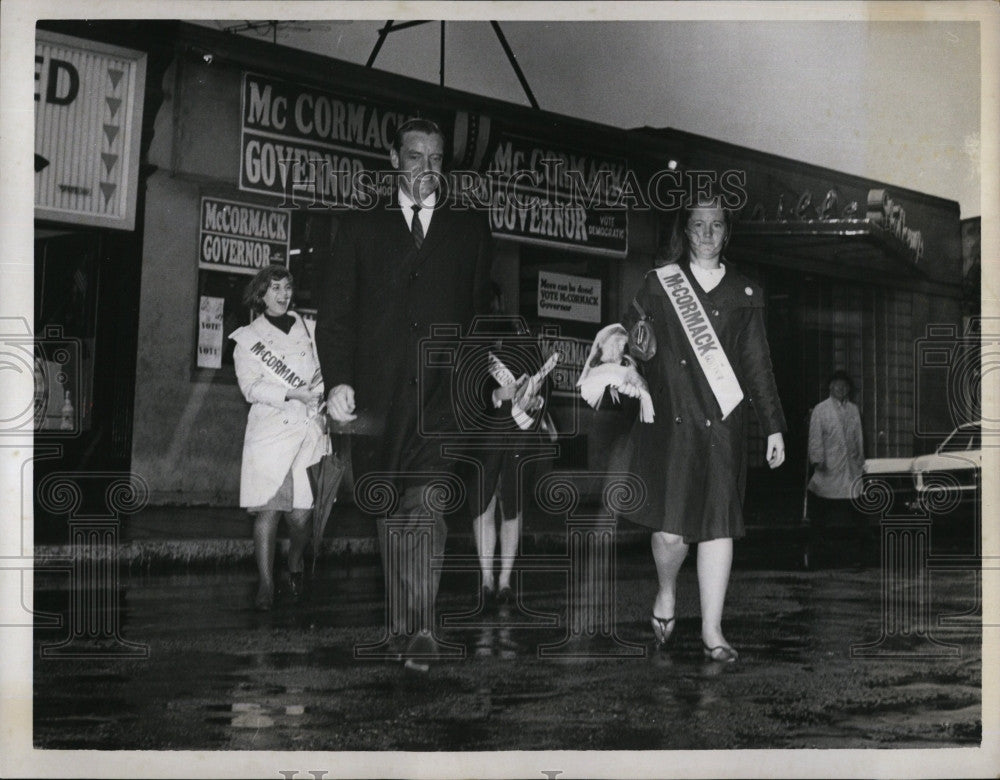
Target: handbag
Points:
(641, 337)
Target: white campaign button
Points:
(748, 291)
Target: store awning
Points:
(857, 248)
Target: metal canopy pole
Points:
(386, 29)
(513, 64)
(442, 53)
(391, 26)
(378, 44)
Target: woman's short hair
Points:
(415, 125)
(253, 296)
(677, 247)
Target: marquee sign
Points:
(88, 125)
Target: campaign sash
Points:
(702, 337)
(254, 344)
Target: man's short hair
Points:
(416, 125)
(842, 376)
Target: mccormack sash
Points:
(273, 362)
(702, 337)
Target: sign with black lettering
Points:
(558, 196)
(210, 324)
(242, 237)
(88, 123)
(574, 355)
(567, 297)
(309, 146)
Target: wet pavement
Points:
(220, 676)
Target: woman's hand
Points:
(310, 398)
(775, 450)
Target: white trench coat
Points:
(281, 434)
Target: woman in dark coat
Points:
(516, 349)
(691, 457)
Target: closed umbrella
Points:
(325, 478)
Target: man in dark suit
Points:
(397, 269)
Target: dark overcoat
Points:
(379, 298)
(693, 462)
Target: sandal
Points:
(722, 654)
(663, 629)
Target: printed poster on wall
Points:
(242, 237)
(210, 313)
(88, 124)
(574, 355)
(567, 297)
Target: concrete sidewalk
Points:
(181, 536)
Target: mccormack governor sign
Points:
(547, 195)
(308, 145)
(242, 237)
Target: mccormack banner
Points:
(242, 237)
(309, 146)
(557, 196)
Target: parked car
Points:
(893, 474)
(952, 475)
(938, 483)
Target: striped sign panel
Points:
(88, 123)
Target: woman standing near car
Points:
(278, 373)
(711, 359)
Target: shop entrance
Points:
(86, 303)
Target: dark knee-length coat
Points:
(379, 297)
(693, 462)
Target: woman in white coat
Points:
(278, 372)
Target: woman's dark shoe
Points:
(663, 629)
(488, 598)
(295, 585)
(265, 598)
(721, 654)
(505, 597)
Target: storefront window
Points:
(67, 267)
(220, 292)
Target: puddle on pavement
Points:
(251, 715)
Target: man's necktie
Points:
(416, 228)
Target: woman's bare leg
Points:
(298, 537)
(485, 534)
(510, 535)
(669, 551)
(265, 531)
(715, 560)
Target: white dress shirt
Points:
(406, 204)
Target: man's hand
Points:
(340, 403)
(527, 397)
(775, 450)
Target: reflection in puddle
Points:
(251, 715)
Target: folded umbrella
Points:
(325, 478)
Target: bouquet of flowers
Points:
(609, 368)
